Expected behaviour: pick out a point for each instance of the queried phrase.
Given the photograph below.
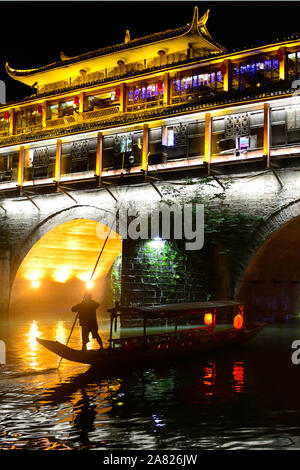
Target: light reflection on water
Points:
(244, 398)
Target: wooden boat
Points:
(147, 349)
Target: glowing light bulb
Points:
(35, 284)
(89, 284)
(61, 275)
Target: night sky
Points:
(33, 33)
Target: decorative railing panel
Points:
(24, 130)
(101, 113)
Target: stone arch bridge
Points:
(266, 274)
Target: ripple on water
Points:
(228, 401)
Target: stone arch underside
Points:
(270, 283)
(49, 272)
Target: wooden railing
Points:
(63, 121)
(24, 130)
(101, 113)
(119, 71)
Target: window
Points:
(176, 141)
(4, 123)
(146, 95)
(188, 86)
(9, 166)
(59, 110)
(66, 108)
(196, 138)
(122, 143)
(294, 65)
(246, 142)
(28, 118)
(285, 126)
(126, 143)
(237, 132)
(122, 150)
(104, 100)
(255, 73)
(170, 136)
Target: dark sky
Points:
(33, 33)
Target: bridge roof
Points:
(195, 32)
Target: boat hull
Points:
(119, 358)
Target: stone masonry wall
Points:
(254, 191)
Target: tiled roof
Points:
(283, 39)
(107, 50)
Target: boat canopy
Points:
(165, 310)
(174, 311)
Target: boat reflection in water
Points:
(238, 376)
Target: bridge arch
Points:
(269, 280)
(62, 250)
(53, 220)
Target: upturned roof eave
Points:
(194, 26)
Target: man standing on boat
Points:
(88, 320)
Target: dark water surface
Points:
(246, 398)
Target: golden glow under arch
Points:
(68, 251)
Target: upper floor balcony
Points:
(251, 133)
(164, 92)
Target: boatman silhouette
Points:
(88, 320)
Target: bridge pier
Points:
(4, 284)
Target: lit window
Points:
(242, 143)
(126, 143)
(170, 137)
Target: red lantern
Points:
(40, 109)
(117, 92)
(280, 54)
(223, 68)
(208, 319)
(6, 115)
(238, 321)
(160, 86)
(76, 100)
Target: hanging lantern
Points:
(208, 319)
(238, 321)
(280, 54)
(6, 115)
(223, 68)
(40, 109)
(117, 93)
(76, 100)
(160, 86)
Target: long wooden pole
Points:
(69, 337)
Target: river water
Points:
(246, 398)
